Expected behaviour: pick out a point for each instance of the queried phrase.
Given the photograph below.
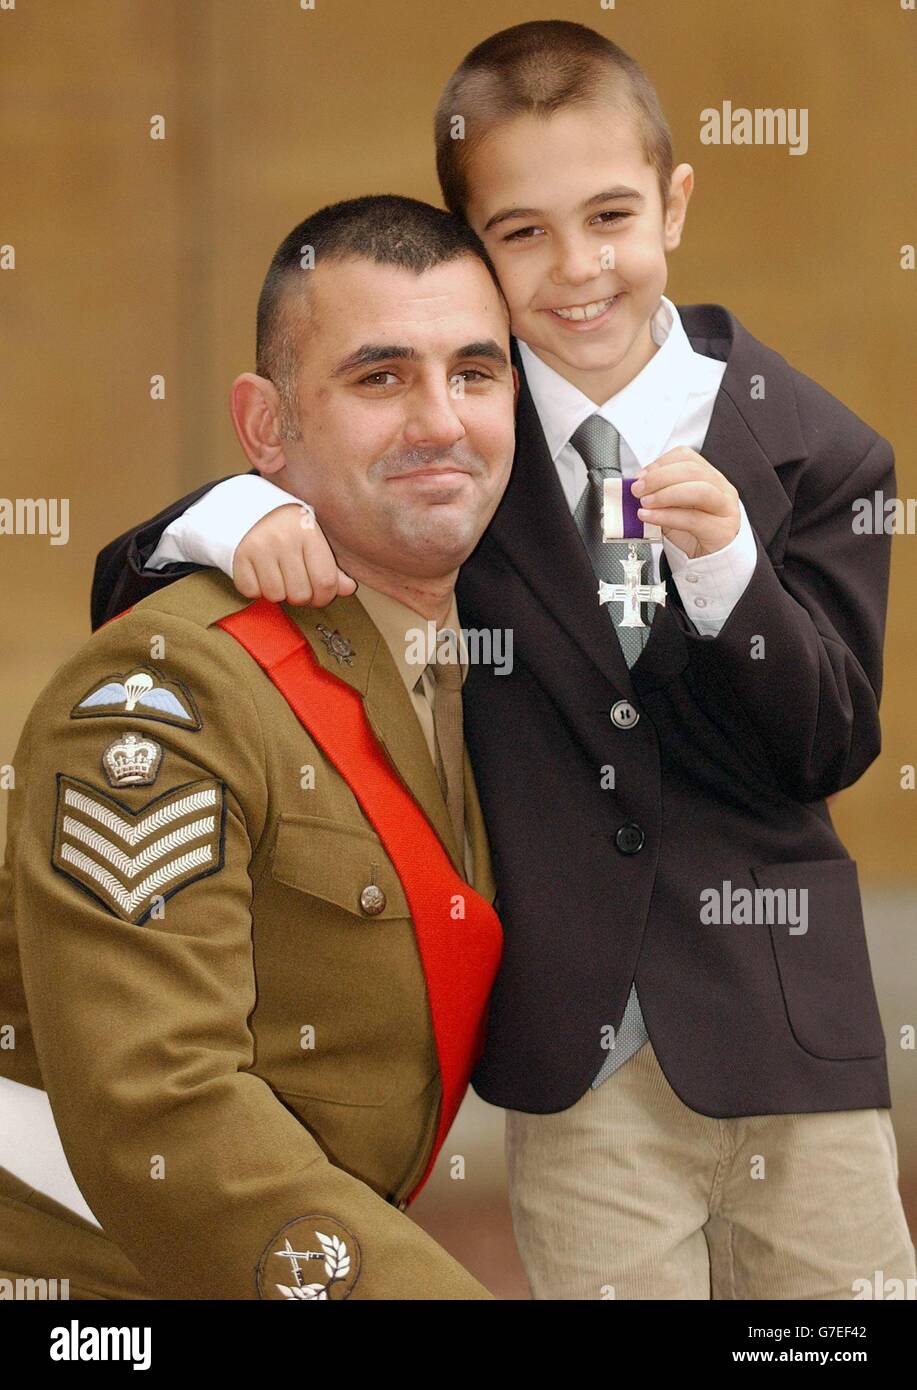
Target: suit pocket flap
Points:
(816, 923)
(336, 861)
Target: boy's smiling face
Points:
(571, 214)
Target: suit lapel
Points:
(746, 440)
(535, 527)
(481, 867)
(372, 671)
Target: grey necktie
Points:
(599, 445)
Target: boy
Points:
(684, 1030)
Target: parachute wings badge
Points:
(143, 693)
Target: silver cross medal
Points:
(632, 592)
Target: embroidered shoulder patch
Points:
(132, 761)
(144, 693)
(311, 1258)
(128, 859)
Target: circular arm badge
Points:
(311, 1258)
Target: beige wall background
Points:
(137, 257)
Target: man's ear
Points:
(515, 372)
(254, 406)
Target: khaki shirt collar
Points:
(396, 622)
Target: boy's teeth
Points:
(586, 311)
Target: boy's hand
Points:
(690, 500)
(286, 558)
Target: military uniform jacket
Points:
(239, 1057)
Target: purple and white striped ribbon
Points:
(619, 513)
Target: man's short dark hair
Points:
(385, 228)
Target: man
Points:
(240, 948)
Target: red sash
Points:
(459, 957)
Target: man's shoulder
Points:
(171, 630)
(180, 619)
(826, 423)
(201, 599)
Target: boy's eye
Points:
(614, 214)
(608, 218)
(523, 234)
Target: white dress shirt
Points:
(668, 403)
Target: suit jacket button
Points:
(623, 714)
(629, 838)
(372, 900)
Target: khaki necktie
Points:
(450, 742)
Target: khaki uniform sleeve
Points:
(133, 908)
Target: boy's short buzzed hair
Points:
(538, 68)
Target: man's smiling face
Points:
(405, 410)
(571, 214)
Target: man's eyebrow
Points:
(488, 348)
(609, 195)
(372, 354)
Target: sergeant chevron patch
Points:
(129, 859)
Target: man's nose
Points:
(433, 418)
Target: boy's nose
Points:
(576, 264)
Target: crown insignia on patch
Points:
(132, 761)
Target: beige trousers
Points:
(630, 1194)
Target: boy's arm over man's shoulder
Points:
(217, 528)
(121, 579)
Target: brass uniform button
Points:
(372, 900)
